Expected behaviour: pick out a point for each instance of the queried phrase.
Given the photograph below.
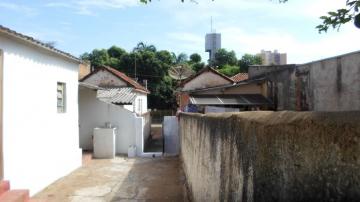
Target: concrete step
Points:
(19, 195)
(4, 186)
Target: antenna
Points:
(211, 25)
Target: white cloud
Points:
(18, 8)
(298, 50)
(90, 7)
(247, 26)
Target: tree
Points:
(224, 57)
(229, 70)
(181, 58)
(116, 52)
(96, 57)
(247, 60)
(195, 58)
(341, 16)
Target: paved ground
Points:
(120, 179)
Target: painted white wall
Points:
(141, 103)
(131, 129)
(205, 80)
(94, 113)
(40, 144)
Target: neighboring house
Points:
(107, 95)
(206, 78)
(107, 77)
(331, 84)
(202, 93)
(39, 112)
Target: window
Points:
(61, 97)
(140, 106)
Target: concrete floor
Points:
(120, 179)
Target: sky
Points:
(246, 26)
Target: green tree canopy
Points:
(247, 60)
(224, 57)
(195, 58)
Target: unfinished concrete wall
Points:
(331, 84)
(272, 156)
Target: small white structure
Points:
(107, 77)
(107, 95)
(39, 112)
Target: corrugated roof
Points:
(244, 100)
(240, 77)
(118, 96)
(36, 42)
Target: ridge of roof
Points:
(36, 42)
(120, 75)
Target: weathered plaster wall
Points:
(106, 79)
(332, 84)
(272, 156)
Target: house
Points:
(331, 84)
(205, 78)
(108, 77)
(107, 95)
(220, 93)
(39, 112)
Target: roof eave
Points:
(29, 40)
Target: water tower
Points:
(212, 43)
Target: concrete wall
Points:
(146, 125)
(139, 106)
(40, 144)
(272, 156)
(279, 84)
(330, 85)
(94, 113)
(205, 80)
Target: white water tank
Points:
(104, 142)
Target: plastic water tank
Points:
(132, 151)
(104, 142)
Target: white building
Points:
(273, 58)
(107, 95)
(212, 45)
(107, 77)
(39, 112)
